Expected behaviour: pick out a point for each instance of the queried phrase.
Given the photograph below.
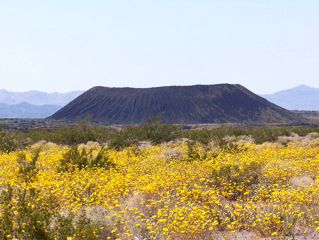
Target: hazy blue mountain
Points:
(38, 98)
(26, 110)
(33, 104)
(302, 97)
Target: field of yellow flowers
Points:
(176, 190)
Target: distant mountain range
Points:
(26, 110)
(33, 104)
(38, 98)
(220, 103)
(302, 97)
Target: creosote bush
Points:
(158, 133)
(239, 179)
(125, 137)
(8, 141)
(153, 130)
(80, 159)
(25, 214)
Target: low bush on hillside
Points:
(76, 159)
(153, 131)
(27, 214)
(158, 133)
(9, 142)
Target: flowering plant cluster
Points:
(173, 190)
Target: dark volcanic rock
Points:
(219, 103)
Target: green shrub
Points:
(80, 227)
(76, 159)
(125, 137)
(203, 136)
(27, 169)
(81, 132)
(192, 151)
(156, 132)
(25, 216)
(237, 180)
(153, 130)
(8, 142)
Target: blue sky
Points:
(61, 46)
